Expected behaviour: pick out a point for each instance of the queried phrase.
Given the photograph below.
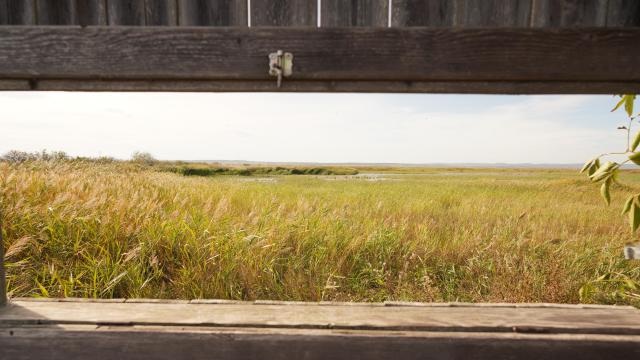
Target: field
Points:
(116, 229)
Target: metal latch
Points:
(280, 65)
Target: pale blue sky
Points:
(377, 128)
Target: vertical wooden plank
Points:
(344, 13)
(431, 13)
(91, 12)
(161, 12)
(3, 12)
(3, 283)
(56, 12)
(212, 12)
(17, 12)
(493, 13)
(284, 13)
(568, 13)
(126, 12)
(623, 13)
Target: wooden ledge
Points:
(72, 328)
(543, 318)
(417, 59)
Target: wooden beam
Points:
(454, 87)
(3, 283)
(213, 329)
(69, 342)
(397, 317)
(546, 60)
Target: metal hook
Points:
(280, 65)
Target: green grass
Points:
(108, 230)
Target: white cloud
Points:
(305, 127)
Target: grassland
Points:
(87, 229)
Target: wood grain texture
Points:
(126, 12)
(623, 13)
(92, 12)
(70, 342)
(365, 54)
(3, 284)
(492, 13)
(438, 87)
(17, 12)
(346, 13)
(213, 12)
(564, 320)
(58, 12)
(431, 13)
(284, 13)
(569, 13)
(161, 12)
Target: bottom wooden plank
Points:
(479, 87)
(123, 343)
(558, 320)
(212, 329)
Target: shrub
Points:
(142, 157)
(17, 156)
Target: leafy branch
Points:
(607, 174)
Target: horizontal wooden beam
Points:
(344, 59)
(69, 342)
(458, 87)
(219, 329)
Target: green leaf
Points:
(605, 192)
(43, 290)
(628, 105)
(595, 167)
(634, 217)
(622, 101)
(603, 172)
(627, 204)
(584, 292)
(587, 166)
(635, 157)
(636, 142)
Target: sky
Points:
(333, 128)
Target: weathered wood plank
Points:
(161, 12)
(126, 12)
(568, 13)
(345, 13)
(3, 284)
(17, 12)
(455, 87)
(125, 342)
(493, 13)
(563, 320)
(92, 12)
(213, 12)
(284, 13)
(60, 12)
(330, 54)
(14, 85)
(623, 13)
(431, 13)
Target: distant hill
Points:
(356, 164)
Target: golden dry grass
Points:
(114, 230)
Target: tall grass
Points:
(115, 230)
